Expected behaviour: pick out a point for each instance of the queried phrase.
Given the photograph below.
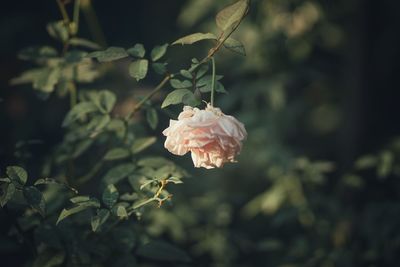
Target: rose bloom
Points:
(212, 137)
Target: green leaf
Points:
(98, 123)
(121, 212)
(78, 111)
(186, 74)
(47, 181)
(49, 258)
(202, 70)
(58, 30)
(158, 52)
(219, 87)
(137, 51)
(117, 173)
(235, 46)
(207, 80)
(191, 100)
(79, 199)
(177, 84)
(230, 16)
(110, 54)
(159, 68)
(7, 191)
(162, 251)
(105, 100)
(386, 164)
(110, 196)
(152, 118)
(117, 153)
(38, 53)
(99, 219)
(17, 174)
(84, 43)
(46, 79)
(175, 97)
(366, 162)
(138, 69)
(195, 37)
(35, 198)
(80, 207)
(81, 147)
(141, 144)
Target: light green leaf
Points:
(159, 68)
(49, 258)
(137, 51)
(186, 74)
(191, 100)
(79, 111)
(177, 84)
(117, 153)
(110, 54)
(175, 97)
(230, 16)
(158, 52)
(110, 196)
(117, 173)
(99, 219)
(80, 207)
(195, 37)
(366, 162)
(75, 41)
(141, 144)
(138, 69)
(47, 181)
(17, 174)
(58, 30)
(98, 123)
(79, 199)
(121, 212)
(152, 118)
(7, 191)
(46, 79)
(35, 198)
(235, 46)
(105, 100)
(81, 147)
(161, 251)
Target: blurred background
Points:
(317, 183)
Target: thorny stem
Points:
(212, 81)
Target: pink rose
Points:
(212, 137)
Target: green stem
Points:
(72, 95)
(149, 96)
(63, 12)
(212, 81)
(75, 15)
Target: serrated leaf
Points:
(152, 118)
(175, 97)
(138, 69)
(17, 174)
(110, 54)
(158, 52)
(80, 207)
(235, 46)
(110, 196)
(141, 144)
(231, 15)
(78, 111)
(187, 74)
(161, 251)
(117, 153)
(117, 173)
(98, 220)
(137, 51)
(58, 30)
(195, 37)
(159, 68)
(177, 84)
(35, 199)
(7, 191)
(75, 41)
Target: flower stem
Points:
(212, 81)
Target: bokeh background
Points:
(317, 183)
